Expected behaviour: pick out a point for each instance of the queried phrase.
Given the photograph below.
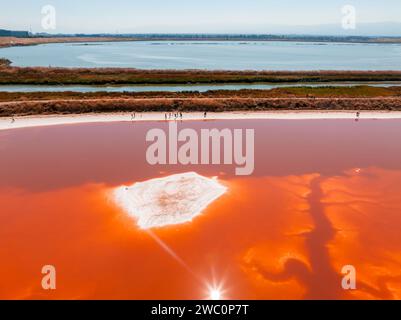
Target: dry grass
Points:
(359, 98)
(210, 105)
(4, 62)
(12, 41)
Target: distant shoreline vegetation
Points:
(253, 37)
(207, 37)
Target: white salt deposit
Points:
(170, 200)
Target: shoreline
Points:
(10, 123)
(8, 42)
(12, 41)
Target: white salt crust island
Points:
(170, 200)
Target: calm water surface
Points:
(211, 55)
(324, 194)
(180, 88)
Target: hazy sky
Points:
(209, 16)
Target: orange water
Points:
(324, 194)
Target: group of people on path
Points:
(167, 116)
(133, 116)
(178, 115)
(174, 115)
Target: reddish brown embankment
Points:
(210, 105)
(77, 106)
(297, 98)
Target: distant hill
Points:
(17, 34)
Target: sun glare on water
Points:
(215, 294)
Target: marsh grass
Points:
(110, 76)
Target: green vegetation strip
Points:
(110, 76)
(290, 92)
